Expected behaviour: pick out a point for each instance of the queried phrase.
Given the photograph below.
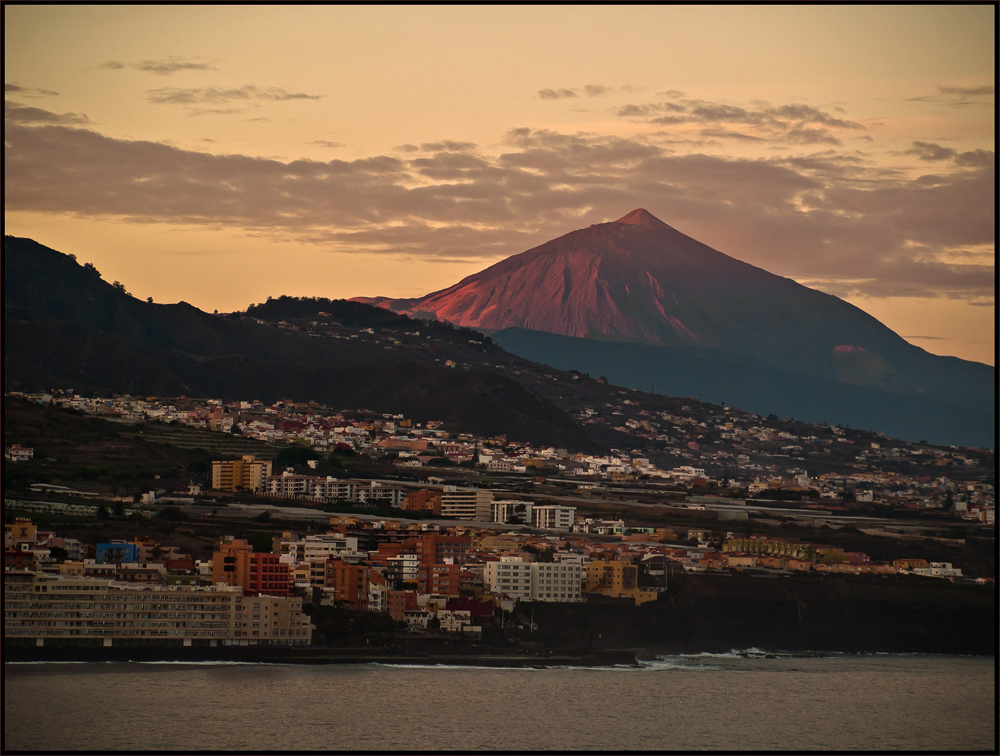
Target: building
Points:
(43, 608)
(512, 512)
(116, 552)
(466, 503)
(348, 581)
(246, 474)
(617, 580)
(435, 548)
(533, 581)
(440, 579)
(236, 564)
(424, 500)
(553, 517)
(18, 453)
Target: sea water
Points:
(737, 701)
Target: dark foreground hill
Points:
(64, 327)
(718, 613)
(703, 315)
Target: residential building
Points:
(512, 511)
(246, 474)
(424, 500)
(348, 581)
(466, 503)
(533, 581)
(236, 564)
(116, 552)
(553, 517)
(68, 609)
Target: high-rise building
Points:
(246, 474)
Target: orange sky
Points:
(223, 154)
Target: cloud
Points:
(727, 134)
(215, 96)
(326, 143)
(15, 113)
(16, 89)
(833, 219)
(959, 97)
(556, 94)
(162, 67)
(930, 151)
(589, 90)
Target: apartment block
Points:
(533, 581)
(44, 608)
(553, 517)
(466, 503)
(246, 474)
(236, 564)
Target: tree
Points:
(102, 512)
(119, 510)
(261, 542)
(262, 517)
(58, 553)
(434, 623)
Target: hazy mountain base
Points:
(960, 417)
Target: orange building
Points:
(424, 500)
(399, 603)
(434, 548)
(349, 582)
(444, 579)
(235, 563)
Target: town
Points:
(501, 526)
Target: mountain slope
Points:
(637, 280)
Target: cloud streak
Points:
(589, 90)
(16, 89)
(959, 97)
(162, 67)
(217, 96)
(834, 220)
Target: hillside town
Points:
(469, 532)
(727, 451)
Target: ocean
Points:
(721, 702)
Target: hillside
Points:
(64, 327)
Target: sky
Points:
(223, 154)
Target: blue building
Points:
(116, 552)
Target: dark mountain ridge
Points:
(64, 327)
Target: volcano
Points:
(638, 281)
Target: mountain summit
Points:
(642, 284)
(638, 279)
(634, 279)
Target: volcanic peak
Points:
(642, 217)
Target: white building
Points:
(938, 569)
(509, 511)
(554, 517)
(466, 503)
(533, 581)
